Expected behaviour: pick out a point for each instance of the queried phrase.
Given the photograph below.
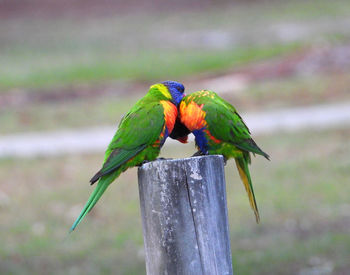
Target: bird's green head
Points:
(172, 90)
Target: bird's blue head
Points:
(176, 90)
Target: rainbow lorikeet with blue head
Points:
(139, 138)
(218, 130)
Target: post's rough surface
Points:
(184, 216)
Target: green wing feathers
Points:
(227, 135)
(116, 158)
(227, 125)
(128, 142)
(249, 145)
(131, 145)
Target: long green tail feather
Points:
(242, 166)
(94, 197)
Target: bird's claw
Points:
(142, 163)
(163, 158)
(160, 159)
(197, 154)
(146, 161)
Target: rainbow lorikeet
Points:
(139, 138)
(218, 130)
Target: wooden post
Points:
(184, 216)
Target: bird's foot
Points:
(146, 161)
(142, 163)
(197, 154)
(163, 158)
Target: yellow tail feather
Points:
(245, 177)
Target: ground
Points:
(301, 193)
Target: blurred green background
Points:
(80, 64)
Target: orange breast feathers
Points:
(170, 114)
(192, 115)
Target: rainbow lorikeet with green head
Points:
(139, 138)
(218, 130)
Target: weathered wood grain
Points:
(184, 216)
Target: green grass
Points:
(321, 88)
(38, 53)
(65, 115)
(301, 193)
(37, 70)
(108, 109)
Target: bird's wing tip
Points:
(266, 156)
(94, 179)
(257, 218)
(75, 224)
